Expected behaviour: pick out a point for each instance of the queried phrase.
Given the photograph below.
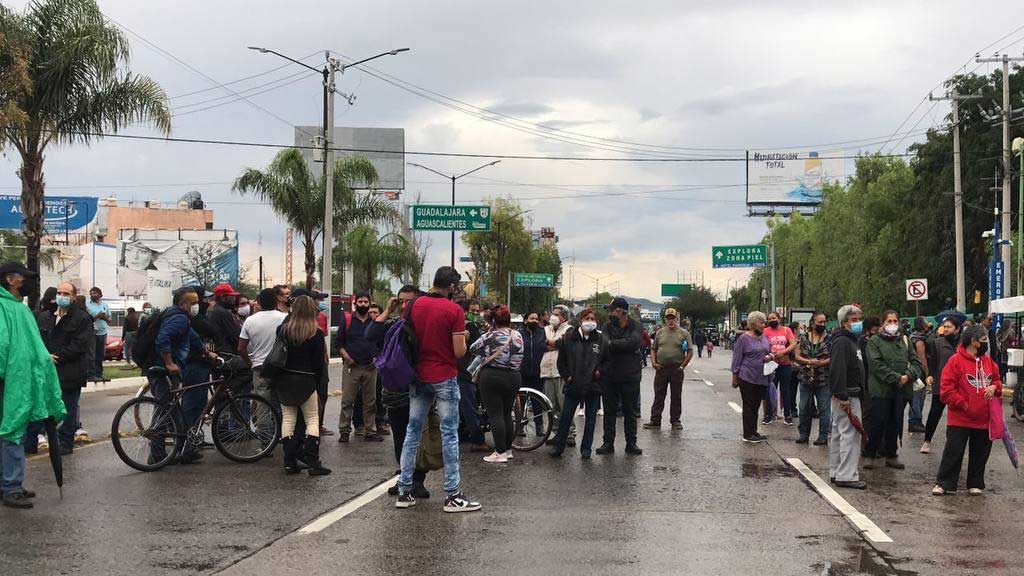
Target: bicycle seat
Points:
(157, 372)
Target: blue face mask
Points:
(63, 301)
(857, 327)
(322, 306)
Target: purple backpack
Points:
(396, 363)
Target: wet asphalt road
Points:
(698, 501)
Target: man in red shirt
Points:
(440, 327)
(782, 342)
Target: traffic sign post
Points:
(747, 256)
(451, 218)
(673, 290)
(917, 290)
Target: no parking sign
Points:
(917, 289)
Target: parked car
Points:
(114, 349)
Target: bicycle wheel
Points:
(146, 434)
(533, 419)
(245, 428)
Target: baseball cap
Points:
(617, 303)
(671, 312)
(16, 268)
(224, 289)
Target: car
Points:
(114, 349)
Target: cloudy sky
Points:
(708, 80)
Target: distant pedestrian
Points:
(969, 381)
(100, 312)
(915, 396)
(129, 330)
(710, 346)
(621, 382)
(699, 339)
(943, 346)
(783, 342)
(812, 357)
(582, 352)
(892, 370)
(846, 379)
(671, 352)
(749, 355)
(501, 354)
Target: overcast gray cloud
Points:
(699, 75)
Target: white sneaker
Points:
(580, 413)
(600, 412)
(975, 491)
(507, 454)
(81, 436)
(44, 444)
(496, 458)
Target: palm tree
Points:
(80, 90)
(370, 255)
(297, 196)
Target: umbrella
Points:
(856, 422)
(1011, 448)
(55, 461)
(957, 316)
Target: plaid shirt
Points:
(817, 375)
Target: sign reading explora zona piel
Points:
(753, 255)
(533, 280)
(451, 218)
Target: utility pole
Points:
(772, 248)
(327, 282)
(261, 272)
(1007, 209)
(958, 197)
(801, 285)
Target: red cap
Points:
(224, 289)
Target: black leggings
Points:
(934, 414)
(498, 389)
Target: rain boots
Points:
(312, 457)
(291, 453)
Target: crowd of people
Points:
(859, 380)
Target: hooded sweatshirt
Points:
(964, 380)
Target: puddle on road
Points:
(765, 471)
(863, 560)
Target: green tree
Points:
(370, 255)
(297, 196)
(81, 90)
(543, 260)
(699, 305)
(506, 248)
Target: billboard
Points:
(791, 178)
(390, 165)
(148, 259)
(61, 213)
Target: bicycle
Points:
(148, 434)
(530, 406)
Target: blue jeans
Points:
(916, 416)
(822, 397)
(787, 387)
(66, 430)
(12, 462)
(572, 401)
(193, 401)
(468, 412)
(421, 396)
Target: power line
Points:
(239, 80)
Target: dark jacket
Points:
(846, 375)
(535, 344)
(580, 359)
(624, 362)
(473, 332)
(227, 326)
(73, 341)
(889, 359)
(940, 350)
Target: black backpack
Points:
(144, 348)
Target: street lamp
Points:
(330, 67)
(453, 178)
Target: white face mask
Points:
(588, 326)
(243, 311)
(892, 329)
(194, 310)
(554, 321)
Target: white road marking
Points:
(859, 521)
(736, 407)
(709, 382)
(695, 371)
(348, 507)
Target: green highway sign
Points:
(749, 256)
(532, 280)
(673, 290)
(451, 218)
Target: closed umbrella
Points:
(857, 424)
(55, 459)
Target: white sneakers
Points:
(496, 458)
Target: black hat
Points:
(16, 268)
(617, 303)
(311, 293)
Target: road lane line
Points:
(46, 455)
(709, 382)
(859, 521)
(348, 507)
(695, 371)
(736, 407)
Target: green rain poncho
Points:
(31, 390)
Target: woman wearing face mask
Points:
(581, 352)
(783, 343)
(749, 355)
(554, 386)
(534, 346)
(942, 347)
(892, 369)
(813, 357)
(501, 354)
(969, 381)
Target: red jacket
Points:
(964, 380)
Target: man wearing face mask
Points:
(622, 376)
(892, 369)
(554, 386)
(360, 377)
(846, 380)
(221, 315)
(244, 308)
(942, 347)
(68, 334)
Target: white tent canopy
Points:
(1013, 305)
